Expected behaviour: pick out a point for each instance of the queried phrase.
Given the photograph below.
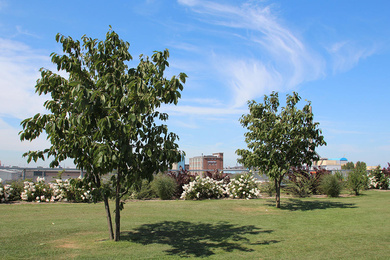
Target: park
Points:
(109, 117)
(347, 227)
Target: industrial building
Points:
(207, 162)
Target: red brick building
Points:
(207, 162)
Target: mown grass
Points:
(309, 228)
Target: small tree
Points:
(357, 180)
(104, 114)
(279, 140)
(348, 166)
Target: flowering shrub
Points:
(10, 192)
(378, 180)
(38, 191)
(73, 190)
(244, 187)
(69, 190)
(2, 191)
(203, 188)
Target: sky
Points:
(334, 53)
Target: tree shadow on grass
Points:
(196, 239)
(305, 205)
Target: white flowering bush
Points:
(2, 191)
(38, 191)
(378, 180)
(203, 188)
(10, 192)
(72, 190)
(244, 187)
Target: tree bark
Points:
(108, 213)
(277, 187)
(106, 207)
(117, 207)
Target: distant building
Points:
(50, 174)
(207, 162)
(176, 166)
(333, 164)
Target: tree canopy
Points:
(105, 115)
(279, 139)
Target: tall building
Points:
(207, 162)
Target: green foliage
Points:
(302, 182)
(268, 187)
(182, 178)
(279, 138)
(331, 185)
(104, 115)
(357, 180)
(339, 175)
(142, 190)
(348, 166)
(361, 166)
(299, 188)
(164, 186)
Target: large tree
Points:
(105, 115)
(279, 138)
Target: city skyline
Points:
(335, 54)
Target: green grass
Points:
(310, 228)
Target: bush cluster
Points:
(10, 192)
(164, 186)
(331, 185)
(204, 188)
(72, 190)
(302, 182)
(244, 186)
(378, 179)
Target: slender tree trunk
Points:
(117, 207)
(106, 207)
(108, 213)
(277, 187)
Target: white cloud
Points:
(346, 54)
(19, 70)
(22, 31)
(280, 60)
(10, 141)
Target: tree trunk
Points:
(108, 213)
(277, 187)
(106, 206)
(117, 207)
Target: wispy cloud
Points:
(19, 70)
(21, 31)
(346, 54)
(280, 60)
(9, 140)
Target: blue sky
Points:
(334, 53)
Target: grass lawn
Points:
(310, 228)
